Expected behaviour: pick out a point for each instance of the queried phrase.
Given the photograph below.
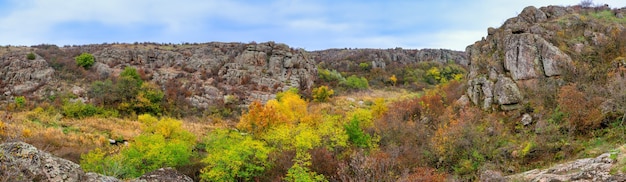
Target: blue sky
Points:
(312, 25)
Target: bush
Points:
(163, 143)
(81, 110)
(85, 60)
(232, 156)
(20, 101)
(354, 82)
(322, 93)
(31, 56)
(330, 75)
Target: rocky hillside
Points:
(202, 75)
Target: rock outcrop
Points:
(588, 169)
(20, 161)
(345, 59)
(530, 47)
(23, 162)
(19, 75)
(211, 71)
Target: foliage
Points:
(81, 110)
(85, 60)
(330, 75)
(233, 156)
(356, 134)
(287, 108)
(19, 101)
(365, 66)
(322, 93)
(98, 162)
(393, 80)
(354, 82)
(31, 56)
(163, 143)
(582, 113)
(300, 173)
(450, 72)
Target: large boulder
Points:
(20, 161)
(588, 169)
(23, 162)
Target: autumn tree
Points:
(233, 156)
(322, 93)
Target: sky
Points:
(310, 24)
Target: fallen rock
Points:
(526, 119)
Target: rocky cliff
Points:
(538, 44)
(204, 74)
(346, 59)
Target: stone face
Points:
(521, 56)
(520, 50)
(343, 59)
(22, 161)
(589, 169)
(163, 174)
(21, 75)
(506, 91)
(211, 71)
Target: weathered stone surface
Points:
(589, 169)
(211, 71)
(163, 174)
(20, 75)
(506, 92)
(344, 59)
(480, 92)
(526, 119)
(521, 56)
(23, 162)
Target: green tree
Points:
(85, 60)
(233, 156)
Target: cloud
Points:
(308, 24)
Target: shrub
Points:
(582, 112)
(365, 66)
(31, 56)
(232, 156)
(20, 101)
(356, 134)
(81, 110)
(354, 82)
(330, 75)
(163, 143)
(85, 60)
(322, 93)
